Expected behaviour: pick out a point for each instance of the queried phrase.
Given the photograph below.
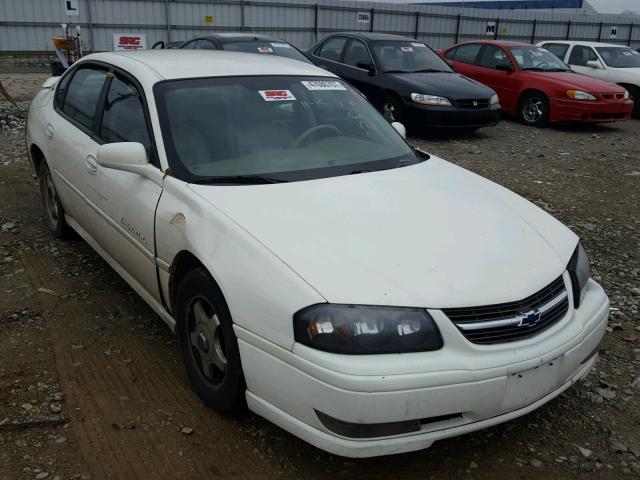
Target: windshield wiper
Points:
(538, 69)
(239, 179)
(397, 71)
(430, 70)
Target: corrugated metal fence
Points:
(28, 25)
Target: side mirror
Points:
(595, 64)
(128, 157)
(400, 128)
(504, 67)
(368, 67)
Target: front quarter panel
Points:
(262, 292)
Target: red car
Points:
(535, 85)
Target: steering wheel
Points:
(322, 130)
(159, 43)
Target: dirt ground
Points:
(92, 384)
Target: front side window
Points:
(407, 56)
(582, 54)
(289, 128)
(618, 57)
(493, 56)
(123, 118)
(558, 49)
(467, 53)
(280, 49)
(203, 45)
(538, 59)
(82, 95)
(332, 49)
(357, 54)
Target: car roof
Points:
(588, 44)
(151, 66)
(236, 37)
(375, 36)
(499, 43)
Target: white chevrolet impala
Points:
(365, 296)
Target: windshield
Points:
(617, 57)
(277, 128)
(535, 58)
(281, 49)
(408, 57)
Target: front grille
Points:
(613, 96)
(472, 103)
(507, 322)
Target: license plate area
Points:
(525, 387)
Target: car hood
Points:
(450, 85)
(630, 74)
(578, 81)
(429, 235)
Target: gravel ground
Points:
(91, 384)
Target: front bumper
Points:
(599, 111)
(451, 117)
(464, 391)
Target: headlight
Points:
(580, 273)
(495, 100)
(580, 95)
(627, 95)
(360, 329)
(430, 100)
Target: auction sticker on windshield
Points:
(265, 49)
(280, 45)
(323, 85)
(406, 49)
(419, 45)
(276, 95)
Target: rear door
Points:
(72, 139)
(126, 202)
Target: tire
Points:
(635, 96)
(209, 345)
(533, 109)
(53, 210)
(393, 110)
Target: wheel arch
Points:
(37, 157)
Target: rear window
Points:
(280, 49)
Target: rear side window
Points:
(61, 90)
(558, 49)
(582, 54)
(123, 118)
(82, 95)
(467, 53)
(203, 45)
(332, 48)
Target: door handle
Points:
(49, 130)
(91, 164)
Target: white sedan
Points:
(365, 296)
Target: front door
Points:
(578, 58)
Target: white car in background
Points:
(365, 296)
(607, 61)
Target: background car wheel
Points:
(53, 211)
(209, 345)
(534, 109)
(393, 110)
(635, 96)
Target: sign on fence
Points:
(613, 32)
(129, 41)
(71, 8)
(491, 28)
(363, 17)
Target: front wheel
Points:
(392, 110)
(634, 92)
(534, 109)
(53, 210)
(209, 345)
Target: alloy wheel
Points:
(533, 109)
(206, 340)
(390, 113)
(50, 199)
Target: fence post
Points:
(167, 17)
(417, 25)
(533, 31)
(600, 31)
(242, 20)
(316, 20)
(371, 21)
(630, 34)
(458, 29)
(90, 21)
(495, 34)
(568, 30)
